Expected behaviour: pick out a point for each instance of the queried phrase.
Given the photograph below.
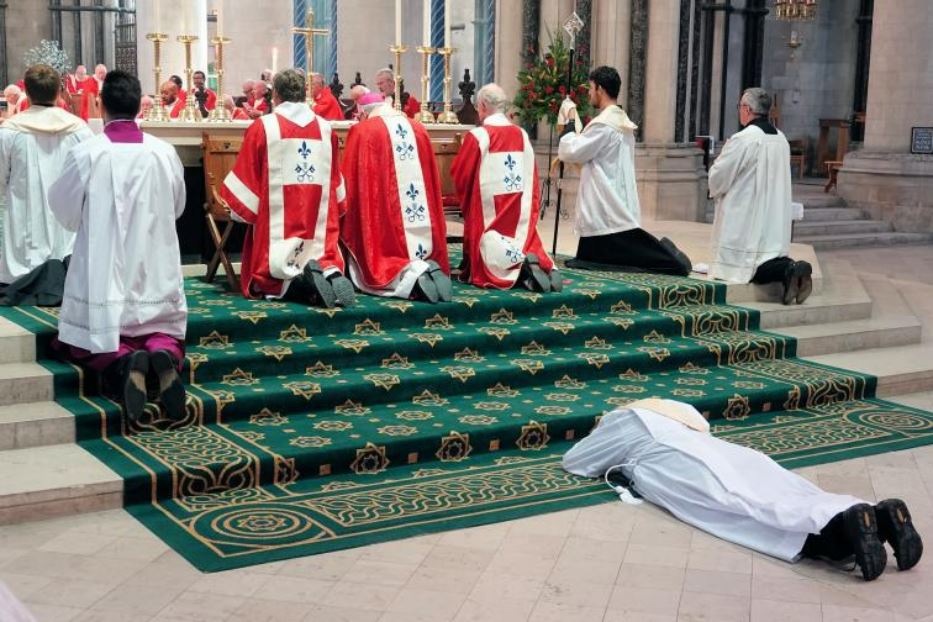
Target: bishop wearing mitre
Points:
(394, 229)
(286, 184)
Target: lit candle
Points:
(446, 23)
(398, 22)
(275, 60)
(158, 16)
(426, 24)
(220, 18)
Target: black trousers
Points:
(772, 271)
(830, 543)
(634, 250)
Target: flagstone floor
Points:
(611, 562)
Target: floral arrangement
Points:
(48, 53)
(543, 85)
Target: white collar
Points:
(497, 119)
(298, 113)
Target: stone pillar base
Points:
(671, 181)
(894, 187)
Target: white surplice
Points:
(125, 274)
(33, 145)
(730, 491)
(607, 199)
(751, 184)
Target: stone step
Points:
(831, 214)
(814, 199)
(34, 425)
(17, 345)
(835, 337)
(808, 229)
(57, 480)
(891, 238)
(818, 309)
(900, 369)
(23, 383)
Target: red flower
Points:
(562, 90)
(549, 89)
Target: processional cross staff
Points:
(309, 32)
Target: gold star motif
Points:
(622, 322)
(307, 442)
(535, 349)
(251, 316)
(414, 415)
(469, 301)
(396, 361)
(294, 334)
(532, 296)
(495, 331)
(690, 368)
(501, 390)
(267, 417)
(597, 360)
(633, 376)
(469, 356)
(478, 420)
(455, 447)
(432, 339)
(621, 307)
(552, 411)
(596, 343)
(304, 389)
(569, 383)
(438, 322)
(427, 398)
(655, 337)
(383, 381)
(737, 408)
(563, 312)
(531, 366)
(400, 305)
(215, 341)
(592, 294)
(368, 328)
(459, 372)
(397, 430)
(321, 370)
(351, 408)
(534, 437)
(276, 352)
(658, 354)
(493, 406)
(561, 327)
(333, 426)
(239, 378)
(503, 316)
(330, 313)
(561, 397)
(356, 345)
(370, 459)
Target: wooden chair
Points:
(832, 171)
(798, 155)
(444, 153)
(219, 155)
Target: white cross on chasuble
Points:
(295, 162)
(412, 196)
(505, 176)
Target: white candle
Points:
(158, 16)
(446, 23)
(220, 18)
(398, 22)
(186, 18)
(426, 25)
(275, 60)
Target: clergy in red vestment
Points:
(74, 82)
(236, 114)
(394, 229)
(205, 97)
(171, 101)
(385, 82)
(325, 104)
(260, 104)
(89, 91)
(287, 185)
(497, 182)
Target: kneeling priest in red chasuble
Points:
(497, 182)
(394, 229)
(287, 185)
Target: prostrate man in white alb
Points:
(124, 310)
(751, 184)
(33, 145)
(608, 212)
(663, 450)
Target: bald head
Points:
(317, 84)
(100, 72)
(229, 103)
(358, 91)
(169, 92)
(248, 87)
(490, 100)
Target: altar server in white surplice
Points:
(124, 310)
(394, 229)
(751, 184)
(33, 145)
(662, 449)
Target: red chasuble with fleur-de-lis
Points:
(286, 183)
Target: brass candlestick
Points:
(448, 116)
(220, 112)
(157, 111)
(425, 115)
(398, 50)
(190, 114)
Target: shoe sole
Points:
(557, 281)
(539, 280)
(445, 289)
(322, 287)
(343, 291)
(172, 398)
(134, 385)
(897, 529)
(803, 271)
(861, 528)
(428, 288)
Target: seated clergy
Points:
(385, 82)
(124, 312)
(33, 146)
(171, 100)
(394, 228)
(497, 182)
(325, 104)
(608, 212)
(287, 185)
(663, 451)
(751, 184)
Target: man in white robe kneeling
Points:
(394, 229)
(124, 310)
(662, 449)
(751, 184)
(33, 145)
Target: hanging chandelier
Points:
(795, 10)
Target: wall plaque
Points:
(921, 140)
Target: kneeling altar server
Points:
(394, 229)
(663, 450)
(287, 185)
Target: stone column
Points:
(585, 36)
(884, 178)
(171, 15)
(637, 63)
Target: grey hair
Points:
(492, 97)
(289, 85)
(758, 100)
(385, 71)
(317, 76)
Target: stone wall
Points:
(27, 22)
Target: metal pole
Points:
(560, 170)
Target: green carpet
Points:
(312, 430)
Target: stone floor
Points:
(609, 562)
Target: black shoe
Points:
(896, 528)
(861, 529)
(803, 271)
(686, 266)
(557, 281)
(343, 290)
(171, 389)
(791, 283)
(533, 276)
(442, 282)
(135, 367)
(428, 290)
(321, 289)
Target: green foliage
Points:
(543, 85)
